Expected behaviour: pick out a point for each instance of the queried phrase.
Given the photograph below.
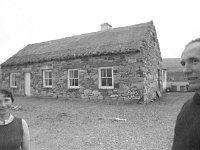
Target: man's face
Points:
(5, 104)
(190, 60)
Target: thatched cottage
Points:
(122, 64)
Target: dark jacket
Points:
(187, 128)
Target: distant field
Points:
(172, 64)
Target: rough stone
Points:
(100, 97)
(125, 75)
(96, 92)
(114, 96)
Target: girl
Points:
(14, 132)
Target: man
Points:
(187, 128)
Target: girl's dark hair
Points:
(7, 93)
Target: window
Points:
(106, 78)
(13, 81)
(73, 78)
(47, 78)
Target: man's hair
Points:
(193, 41)
(7, 93)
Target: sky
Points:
(24, 22)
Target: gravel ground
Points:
(87, 125)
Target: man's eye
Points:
(195, 60)
(182, 63)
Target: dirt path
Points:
(78, 125)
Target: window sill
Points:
(47, 87)
(106, 88)
(73, 88)
(13, 87)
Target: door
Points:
(159, 79)
(27, 84)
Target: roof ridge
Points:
(120, 39)
(90, 33)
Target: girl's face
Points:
(5, 104)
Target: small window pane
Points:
(103, 81)
(71, 82)
(76, 74)
(50, 74)
(103, 72)
(46, 74)
(46, 81)
(109, 81)
(76, 82)
(109, 73)
(71, 74)
(50, 82)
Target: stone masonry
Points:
(136, 75)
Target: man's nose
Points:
(187, 69)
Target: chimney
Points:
(105, 26)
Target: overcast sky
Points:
(24, 22)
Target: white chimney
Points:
(105, 26)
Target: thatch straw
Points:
(117, 40)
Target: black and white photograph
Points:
(99, 75)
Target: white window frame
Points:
(13, 80)
(100, 83)
(44, 83)
(73, 78)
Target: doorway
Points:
(159, 79)
(27, 84)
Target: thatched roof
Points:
(172, 64)
(112, 41)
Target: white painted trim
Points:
(68, 79)
(105, 87)
(11, 79)
(27, 86)
(47, 86)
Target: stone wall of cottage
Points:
(152, 61)
(135, 75)
(0, 76)
(127, 72)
